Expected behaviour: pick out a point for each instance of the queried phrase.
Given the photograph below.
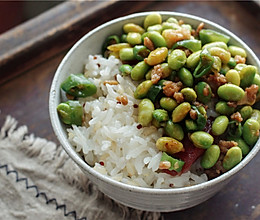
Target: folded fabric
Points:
(39, 181)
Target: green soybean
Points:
(216, 44)
(168, 103)
(223, 108)
(246, 112)
(201, 139)
(256, 115)
(142, 89)
(220, 125)
(160, 115)
(230, 92)
(204, 92)
(210, 157)
(156, 27)
(234, 50)
(177, 59)
(191, 125)
(126, 54)
(180, 112)
(139, 70)
(131, 27)
(157, 39)
(189, 94)
(157, 56)
(174, 130)
(251, 131)
(145, 112)
(169, 145)
(232, 158)
(233, 77)
(185, 77)
(241, 144)
(221, 53)
(134, 38)
(152, 19)
(247, 75)
(193, 60)
(125, 69)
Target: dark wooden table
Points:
(31, 52)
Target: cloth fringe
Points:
(47, 155)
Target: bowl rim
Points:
(54, 92)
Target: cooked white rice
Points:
(111, 135)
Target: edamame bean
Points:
(160, 115)
(246, 112)
(180, 112)
(174, 130)
(224, 109)
(169, 145)
(210, 157)
(145, 112)
(185, 77)
(168, 103)
(247, 75)
(256, 115)
(241, 144)
(142, 89)
(193, 60)
(131, 27)
(233, 77)
(157, 39)
(232, 158)
(191, 125)
(118, 47)
(201, 139)
(216, 66)
(234, 50)
(134, 38)
(139, 70)
(152, 19)
(71, 112)
(156, 27)
(126, 54)
(221, 53)
(204, 92)
(177, 59)
(170, 25)
(220, 125)
(189, 94)
(125, 69)
(251, 131)
(216, 44)
(230, 92)
(166, 70)
(157, 56)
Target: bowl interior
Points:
(91, 44)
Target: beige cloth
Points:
(48, 173)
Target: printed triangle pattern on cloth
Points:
(39, 181)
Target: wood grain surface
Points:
(26, 75)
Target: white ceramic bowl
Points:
(137, 197)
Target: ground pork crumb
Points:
(156, 74)
(148, 43)
(250, 95)
(240, 59)
(170, 88)
(179, 97)
(193, 114)
(225, 145)
(216, 80)
(237, 117)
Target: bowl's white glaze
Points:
(137, 197)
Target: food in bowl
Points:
(166, 106)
